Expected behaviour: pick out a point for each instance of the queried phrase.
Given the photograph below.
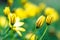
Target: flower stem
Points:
(43, 33)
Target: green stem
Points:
(43, 33)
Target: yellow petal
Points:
(17, 24)
(19, 33)
(19, 29)
(22, 29)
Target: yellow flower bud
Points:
(40, 21)
(52, 12)
(6, 11)
(49, 20)
(12, 18)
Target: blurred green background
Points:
(30, 22)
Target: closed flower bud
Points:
(49, 20)
(40, 21)
(12, 18)
(6, 11)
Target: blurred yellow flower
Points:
(10, 2)
(6, 11)
(49, 11)
(31, 9)
(30, 36)
(23, 1)
(3, 21)
(17, 24)
(40, 21)
(21, 13)
(52, 12)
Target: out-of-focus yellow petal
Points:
(32, 37)
(30, 9)
(55, 17)
(49, 11)
(19, 24)
(20, 13)
(6, 10)
(19, 29)
(40, 21)
(19, 33)
(22, 29)
(28, 35)
(3, 21)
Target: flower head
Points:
(49, 19)
(40, 21)
(16, 24)
(52, 12)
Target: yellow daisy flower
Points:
(16, 24)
